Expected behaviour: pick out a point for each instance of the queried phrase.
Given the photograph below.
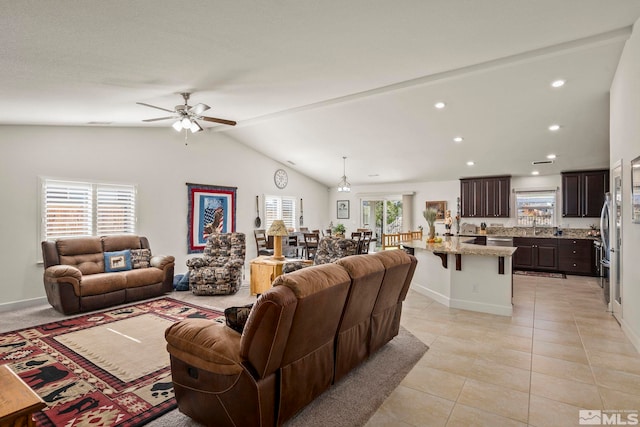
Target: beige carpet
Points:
(128, 349)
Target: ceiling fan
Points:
(186, 115)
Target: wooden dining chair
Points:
(261, 242)
(405, 236)
(367, 237)
(357, 237)
(311, 244)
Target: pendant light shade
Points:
(344, 185)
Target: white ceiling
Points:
(312, 81)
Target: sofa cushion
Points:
(120, 242)
(143, 277)
(102, 283)
(117, 261)
(85, 253)
(140, 258)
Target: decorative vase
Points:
(432, 232)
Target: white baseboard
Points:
(25, 303)
(423, 290)
(500, 310)
(633, 337)
(462, 304)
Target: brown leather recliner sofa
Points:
(306, 332)
(75, 279)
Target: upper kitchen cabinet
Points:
(583, 193)
(485, 196)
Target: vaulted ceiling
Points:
(311, 81)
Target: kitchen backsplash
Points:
(577, 233)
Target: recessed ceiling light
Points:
(458, 139)
(440, 105)
(535, 173)
(470, 163)
(554, 128)
(558, 83)
(551, 156)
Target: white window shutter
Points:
(67, 209)
(115, 209)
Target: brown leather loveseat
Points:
(305, 333)
(75, 279)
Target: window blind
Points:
(276, 207)
(75, 209)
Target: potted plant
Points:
(430, 215)
(339, 230)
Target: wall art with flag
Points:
(212, 209)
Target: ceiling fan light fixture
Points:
(186, 123)
(195, 127)
(344, 186)
(177, 125)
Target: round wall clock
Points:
(281, 178)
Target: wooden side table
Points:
(264, 271)
(17, 401)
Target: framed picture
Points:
(635, 190)
(211, 209)
(440, 206)
(343, 209)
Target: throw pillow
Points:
(236, 317)
(140, 258)
(117, 261)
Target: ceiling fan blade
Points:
(223, 121)
(159, 118)
(153, 106)
(199, 108)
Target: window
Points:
(75, 209)
(538, 206)
(276, 207)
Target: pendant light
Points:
(344, 185)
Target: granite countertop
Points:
(459, 245)
(543, 232)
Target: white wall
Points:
(449, 191)
(157, 160)
(625, 146)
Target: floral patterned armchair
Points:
(330, 249)
(219, 270)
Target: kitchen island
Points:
(463, 275)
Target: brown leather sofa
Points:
(306, 332)
(75, 279)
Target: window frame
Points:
(290, 223)
(527, 220)
(97, 190)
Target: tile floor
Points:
(560, 352)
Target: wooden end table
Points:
(17, 401)
(264, 271)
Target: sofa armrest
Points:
(205, 344)
(63, 273)
(161, 261)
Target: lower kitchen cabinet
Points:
(576, 256)
(536, 253)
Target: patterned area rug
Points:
(104, 369)
(540, 274)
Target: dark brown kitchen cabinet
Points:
(485, 196)
(535, 253)
(576, 256)
(583, 193)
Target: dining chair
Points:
(367, 236)
(391, 241)
(261, 242)
(416, 235)
(357, 237)
(311, 244)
